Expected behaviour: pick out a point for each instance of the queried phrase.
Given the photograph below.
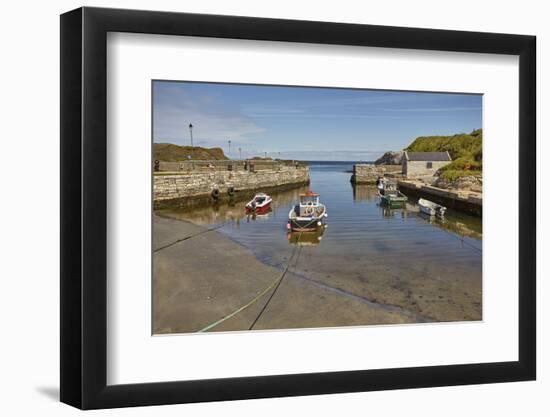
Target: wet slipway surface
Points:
(372, 265)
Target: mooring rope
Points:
(299, 250)
(276, 283)
(188, 237)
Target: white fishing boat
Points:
(430, 208)
(261, 203)
(307, 216)
(389, 193)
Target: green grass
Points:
(452, 174)
(466, 150)
(463, 163)
(461, 145)
(175, 153)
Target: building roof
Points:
(427, 156)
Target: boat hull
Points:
(427, 210)
(393, 201)
(309, 223)
(306, 225)
(431, 209)
(259, 209)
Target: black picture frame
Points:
(84, 207)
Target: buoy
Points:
(215, 193)
(288, 226)
(319, 223)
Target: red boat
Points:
(261, 203)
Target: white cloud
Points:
(213, 125)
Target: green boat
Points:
(390, 195)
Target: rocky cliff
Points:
(390, 158)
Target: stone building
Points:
(369, 173)
(423, 164)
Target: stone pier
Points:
(369, 173)
(218, 182)
(464, 201)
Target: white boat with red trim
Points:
(261, 203)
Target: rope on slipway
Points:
(299, 251)
(275, 283)
(189, 237)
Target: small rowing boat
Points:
(307, 216)
(430, 208)
(261, 203)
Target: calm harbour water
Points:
(397, 257)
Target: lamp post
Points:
(229, 151)
(191, 133)
(240, 154)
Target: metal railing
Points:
(251, 165)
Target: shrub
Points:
(458, 146)
(451, 175)
(463, 164)
(466, 150)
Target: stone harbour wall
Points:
(183, 189)
(369, 173)
(224, 165)
(464, 201)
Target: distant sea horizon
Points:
(339, 162)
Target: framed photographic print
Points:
(258, 207)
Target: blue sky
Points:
(306, 123)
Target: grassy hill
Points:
(175, 153)
(465, 149)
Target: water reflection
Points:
(306, 238)
(394, 256)
(259, 217)
(393, 212)
(362, 192)
(352, 217)
(455, 222)
(235, 212)
(461, 229)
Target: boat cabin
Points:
(389, 188)
(308, 203)
(260, 198)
